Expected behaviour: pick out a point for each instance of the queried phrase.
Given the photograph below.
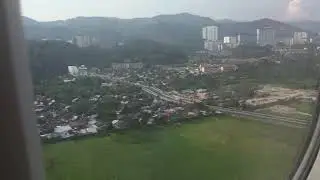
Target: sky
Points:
(48, 10)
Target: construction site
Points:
(269, 94)
(283, 101)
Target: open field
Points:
(306, 107)
(288, 111)
(294, 109)
(214, 148)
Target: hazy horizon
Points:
(148, 17)
(237, 10)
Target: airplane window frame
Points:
(20, 150)
(308, 156)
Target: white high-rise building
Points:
(84, 41)
(266, 36)
(300, 37)
(213, 46)
(210, 33)
(73, 70)
(78, 71)
(83, 70)
(231, 41)
(204, 33)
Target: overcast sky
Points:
(46, 10)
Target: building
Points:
(217, 68)
(73, 70)
(213, 46)
(315, 40)
(210, 33)
(231, 41)
(287, 41)
(209, 68)
(78, 71)
(266, 36)
(300, 38)
(228, 67)
(83, 70)
(84, 41)
(63, 131)
(208, 45)
(245, 38)
(118, 66)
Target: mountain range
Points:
(309, 25)
(180, 29)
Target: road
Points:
(266, 118)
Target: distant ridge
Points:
(179, 29)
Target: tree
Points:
(49, 59)
(107, 109)
(249, 51)
(82, 107)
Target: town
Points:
(131, 94)
(168, 90)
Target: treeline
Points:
(250, 51)
(302, 73)
(51, 58)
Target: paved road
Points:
(266, 118)
(286, 121)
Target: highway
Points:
(266, 118)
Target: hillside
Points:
(51, 58)
(313, 26)
(251, 26)
(225, 21)
(29, 22)
(180, 29)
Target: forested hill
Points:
(180, 29)
(51, 58)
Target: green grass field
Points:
(211, 149)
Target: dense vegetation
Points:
(216, 148)
(181, 29)
(51, 58)
(66, 92)
(250, 51)
(303, 73)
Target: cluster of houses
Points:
(140, 108)
(56, 120)
(217, 68)
(135, 107)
